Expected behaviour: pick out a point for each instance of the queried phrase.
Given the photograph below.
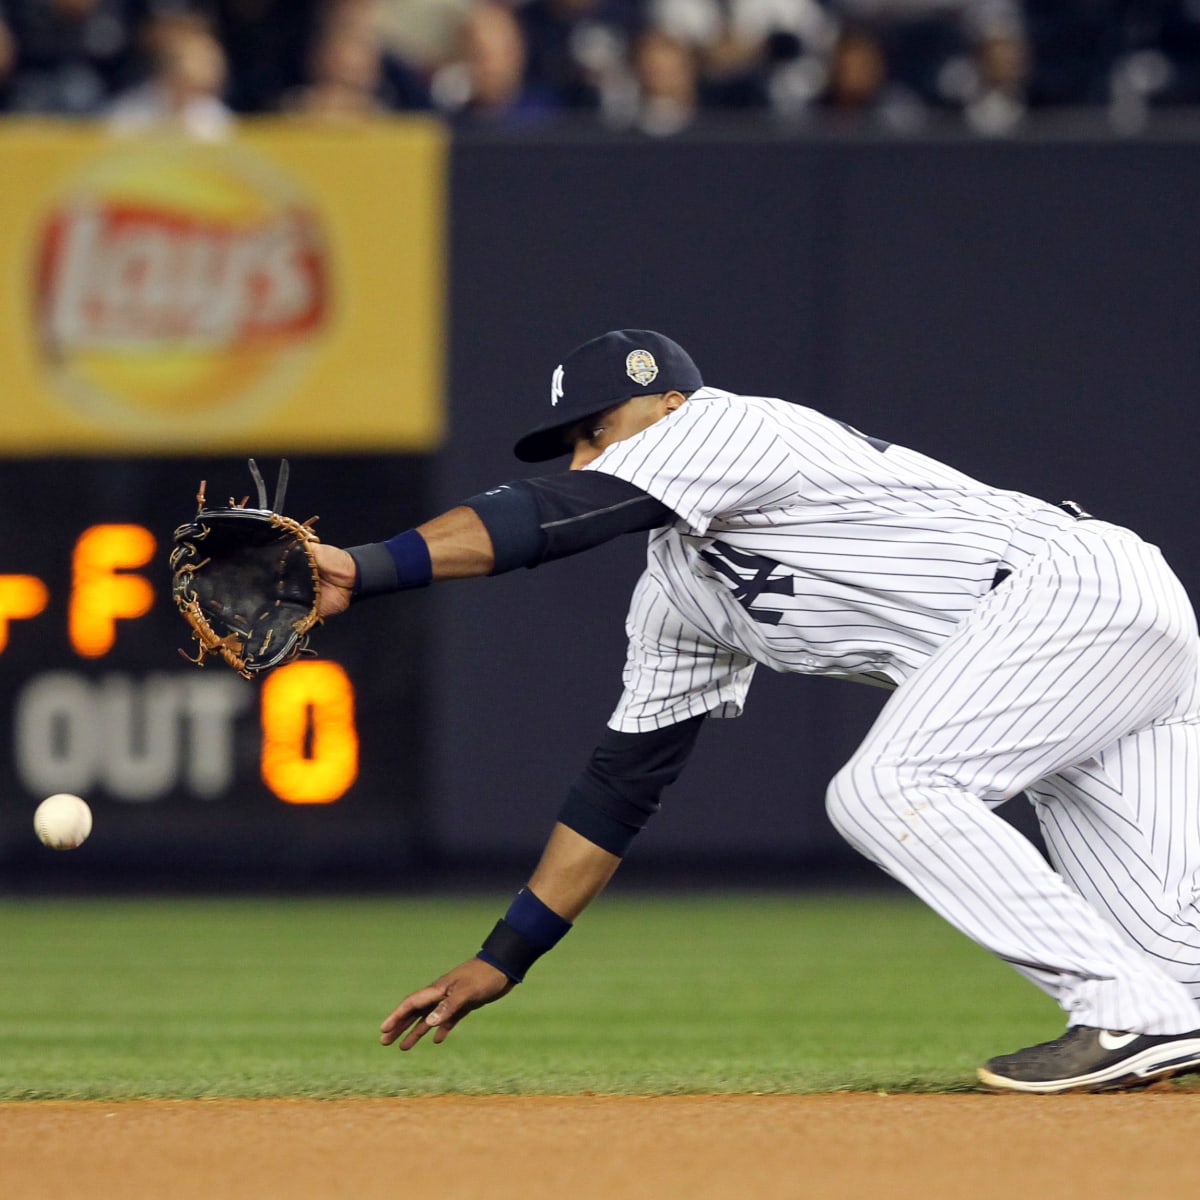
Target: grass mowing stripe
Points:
(650, 994)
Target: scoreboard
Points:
(122, 733)
(168, 307)
(181, 763)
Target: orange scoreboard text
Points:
(74, 732)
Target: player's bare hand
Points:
(444, 1003)
(336, 570)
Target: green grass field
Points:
(649, 995)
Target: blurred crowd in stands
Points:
(654, 66)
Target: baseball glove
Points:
(245, 580)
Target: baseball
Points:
(62, 821)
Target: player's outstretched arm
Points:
(571, 873)
(519, 524)
(457, 544)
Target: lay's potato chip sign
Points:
(263, 294)
(178, 288)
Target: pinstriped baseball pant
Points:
(1076, 681)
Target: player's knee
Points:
(855, 800)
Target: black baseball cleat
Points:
(1093, 1060)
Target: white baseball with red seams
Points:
(62, 821)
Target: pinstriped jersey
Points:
(800, 544)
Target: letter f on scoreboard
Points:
(102, 588)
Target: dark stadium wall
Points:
(1026, 311)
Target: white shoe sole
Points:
(1155, 1062)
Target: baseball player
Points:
(1030, 648)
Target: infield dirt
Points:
(899, 1147)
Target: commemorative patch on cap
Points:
(602, 374)
(641, 367)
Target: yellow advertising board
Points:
(282, 291)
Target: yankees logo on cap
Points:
(605, 372)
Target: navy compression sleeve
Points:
(619, 789)
(532, 521)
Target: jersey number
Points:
(751, 576)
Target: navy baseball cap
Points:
(605, 372)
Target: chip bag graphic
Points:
(179, 280)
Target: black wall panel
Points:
(1025, 311)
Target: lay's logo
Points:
(170, 285)
(124, 276)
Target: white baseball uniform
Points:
(805, 546)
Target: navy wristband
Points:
(523, 935)
(400, 563)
